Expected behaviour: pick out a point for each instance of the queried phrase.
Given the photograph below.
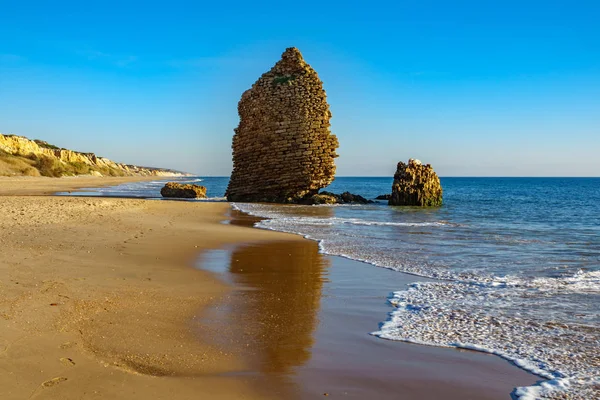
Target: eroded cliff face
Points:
(283, 149)
(416, 184)
(22, 156)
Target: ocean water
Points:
(216, 187)
(517, 263)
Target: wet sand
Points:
(30, 185)
(301, 322)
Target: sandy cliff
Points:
(22, 156)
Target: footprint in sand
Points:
(67, 361)
(54, 381)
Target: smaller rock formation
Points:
(386, 197)
(178, 190)
(416, 184)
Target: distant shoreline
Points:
(45, 186)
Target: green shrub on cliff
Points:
(46, 145)
(14, 165)
(79, 168)
(106, 171)
(48, 166)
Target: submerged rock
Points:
(283, 150)
(349, 198)
(332, 198)
(178, 190)
(383, 197)
(320, 199)
(415, 184)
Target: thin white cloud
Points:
(126, 61)
(114, 59)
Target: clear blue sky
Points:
(476, 88)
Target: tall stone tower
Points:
(283, 149)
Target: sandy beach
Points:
(116, 298)
(96, 296)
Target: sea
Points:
(515, 263)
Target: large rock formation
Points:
(183, 191)
(283, 149)
(416, 184)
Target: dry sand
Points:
(97, 295)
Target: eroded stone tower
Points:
(283, 149)
(416, 184)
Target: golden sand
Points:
(96, 296)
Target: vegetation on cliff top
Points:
(47, 145)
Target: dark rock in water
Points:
(321, 199)
(178, 190)
(383, 197)
(347, 198)
(283, 149)
(415, 184)
(332, 198)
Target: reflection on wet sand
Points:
(271, 317)
(240, 219)
(282, 313)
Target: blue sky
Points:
(476, 88)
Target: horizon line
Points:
(454, 176)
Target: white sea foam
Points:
(495, 314)
(461, 315)
(284, 219)
(349, 221)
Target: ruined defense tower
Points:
(283, 149)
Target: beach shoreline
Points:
(310, 316)
(46, 186)
(100, 299)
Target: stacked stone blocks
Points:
(283, 150)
